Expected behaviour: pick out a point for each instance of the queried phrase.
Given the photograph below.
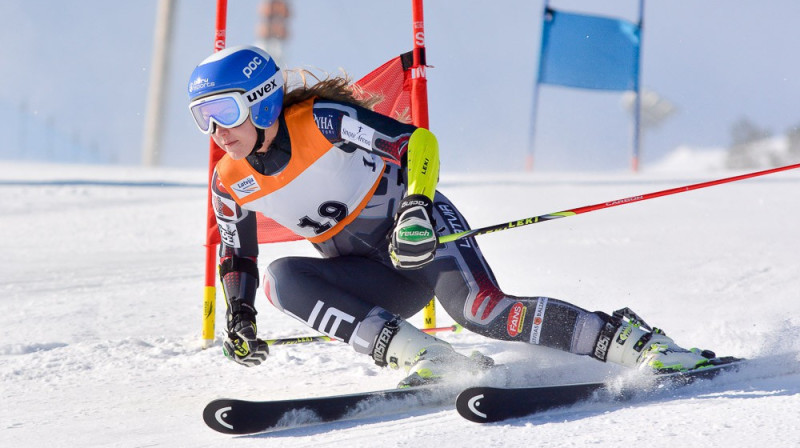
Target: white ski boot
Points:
(632, 343)
(427, 359)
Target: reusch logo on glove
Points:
(415, 233)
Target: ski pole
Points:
(299, 340)
(589, 208)
(455, 328)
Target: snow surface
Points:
(102, 279)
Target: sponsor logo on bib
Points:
(246, 186)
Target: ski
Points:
(232, 416)
(492, 404)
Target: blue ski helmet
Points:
(248, 70)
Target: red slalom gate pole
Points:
(589, 208)
(214, 154)
(419, 107)
(419, 80)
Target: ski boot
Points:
(426, 359)
(435, 364)
(627, 340)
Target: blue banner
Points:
(589, 52)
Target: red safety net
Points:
(391, 82)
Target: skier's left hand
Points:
(243, 347)
(413, 240)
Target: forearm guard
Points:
(239, 278)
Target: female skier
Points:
(361, 187)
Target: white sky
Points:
(85, 64)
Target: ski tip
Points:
(476, 404)
(470, 404)
(231, 416)
(217, 416)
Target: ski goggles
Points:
(225, 109)
(231, 109)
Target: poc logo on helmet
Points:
(252, 65)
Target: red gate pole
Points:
(214, 154)
(419, 106)
(419, 82)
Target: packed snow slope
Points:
(101, 284)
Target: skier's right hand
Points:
(413, 238)
(242, 345)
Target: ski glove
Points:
(242, 346)
(413, 239)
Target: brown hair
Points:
(334, 88)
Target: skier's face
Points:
(238, 142)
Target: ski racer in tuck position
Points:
(361, 187)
